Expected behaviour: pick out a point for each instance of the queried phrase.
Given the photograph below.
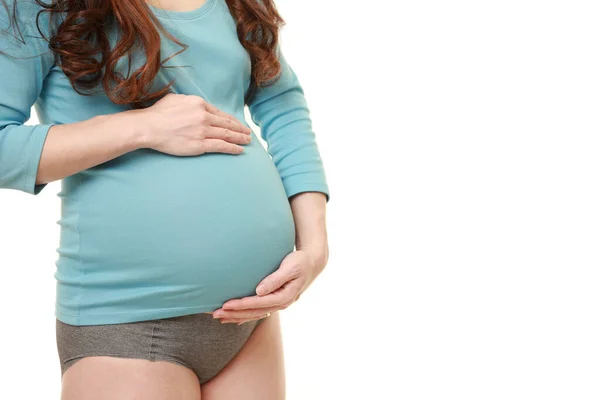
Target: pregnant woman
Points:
(181, 237)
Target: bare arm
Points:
(33, 155)
(71, 148)
(297, 271)
(282, 113)
(182, 125)
(308, 209)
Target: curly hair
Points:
(81, 47)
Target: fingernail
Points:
(261, 289)
(217, 315)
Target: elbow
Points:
(21, 148)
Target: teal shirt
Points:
(149, 235)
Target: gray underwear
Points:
(196, 341)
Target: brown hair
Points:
(81, 46)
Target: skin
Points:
(296, 272)
(255, 373)
(182, 125)
(177, 5)
(186, 125)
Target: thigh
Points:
(120, 378)
(256, 372)
(105, 362)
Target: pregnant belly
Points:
(161, 231)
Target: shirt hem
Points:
(38, 137)
(293, 189)
(130, 316)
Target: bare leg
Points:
(256, 372)
(116, 378)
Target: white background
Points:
(460, 140)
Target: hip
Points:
(196, 341)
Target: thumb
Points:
(275, 280)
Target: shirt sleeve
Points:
(23, 69)
(282, 113)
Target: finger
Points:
(215, 111)
(288, 270)
(280, 297)
(240, 321)
(274, 281)
(246, 303)
(245, 314)
(227, 135)
(220, 146)
(231, 124)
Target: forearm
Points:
(309, 213)
(71, 148)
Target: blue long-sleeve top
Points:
(149, 235)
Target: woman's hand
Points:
(297, 270)
(278, 290)
(188, 125)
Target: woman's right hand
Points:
(188, 125)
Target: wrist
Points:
(318, 254)
(139, 127)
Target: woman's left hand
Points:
(278, 290)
